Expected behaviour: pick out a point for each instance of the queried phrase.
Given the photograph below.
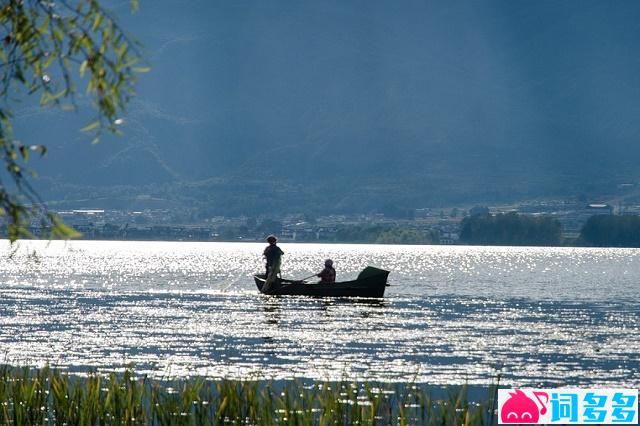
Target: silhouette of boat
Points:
(371, 282)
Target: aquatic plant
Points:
(47, 396)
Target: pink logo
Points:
(519, 408)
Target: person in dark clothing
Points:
(273, 255)
(328, 274)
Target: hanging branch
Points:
(46, 48)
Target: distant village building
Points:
(83, 216)
(449, 238)
(422, 213)
(597, 208)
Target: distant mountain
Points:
(340, 106)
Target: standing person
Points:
(328, 274)
(273, 256)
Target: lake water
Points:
(454, 314)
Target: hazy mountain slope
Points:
(412, 102)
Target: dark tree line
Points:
(510, 229)
(612, 231)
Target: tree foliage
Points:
(612, 231)
(399, 235)
(383, 234)
(47, 49)
(510, 229)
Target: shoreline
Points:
(284, 241)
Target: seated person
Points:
(328, 274)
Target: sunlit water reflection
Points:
(452, 315)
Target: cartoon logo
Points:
(519, 408)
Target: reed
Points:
(46, 396)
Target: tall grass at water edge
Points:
(46, 396)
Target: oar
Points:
(297, 281)
(310, 276)
(282, 285)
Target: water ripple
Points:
(455, 314)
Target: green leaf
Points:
(83, 67)
(45, 24)
(97, 20)
(91, 126)
(24, 151)
(19, 75)
(61, 230)
(58, 35)
(141, 69)
(49, 61)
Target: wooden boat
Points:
(371, 282)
